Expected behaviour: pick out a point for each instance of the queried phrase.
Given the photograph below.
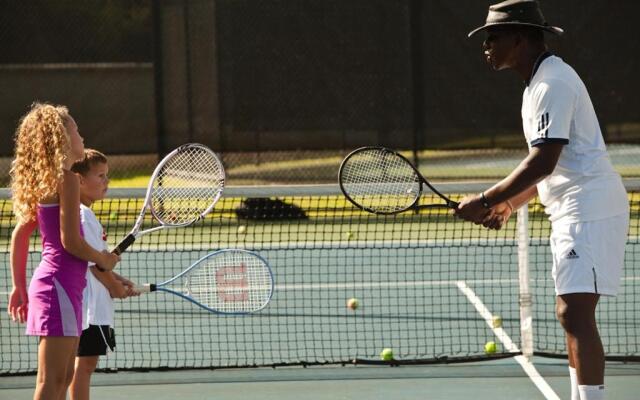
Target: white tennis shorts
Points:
(588, 257)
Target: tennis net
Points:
(428, 285)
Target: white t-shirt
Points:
(97, 304)
(556, 108)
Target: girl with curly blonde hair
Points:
(46, 195)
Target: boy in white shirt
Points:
(102, 286)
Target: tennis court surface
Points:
(428, 287)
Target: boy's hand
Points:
(131, 289)
(18, 304)
(125, 281)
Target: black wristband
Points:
(99, 268)
(485, 202)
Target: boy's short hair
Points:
(91, 158)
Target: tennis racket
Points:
(228, 281)
(183, 188)
(383, 181)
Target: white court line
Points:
(392, 285)
(508, 344)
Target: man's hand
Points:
(471, 209)
(499, 216)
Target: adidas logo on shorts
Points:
(572, 255)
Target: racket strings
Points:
(187, 185)
(230, 282)
(380, 180)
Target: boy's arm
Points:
(116, 288)
(129, 285)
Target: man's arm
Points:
(518, 187)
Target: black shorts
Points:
(92, 341)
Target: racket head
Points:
(230, 281)
(379, 180)
(185, 185)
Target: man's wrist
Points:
(484, 201)
(510, 205)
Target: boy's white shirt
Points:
(97, 304)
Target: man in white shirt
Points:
(569, 169)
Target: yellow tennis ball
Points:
(113, 216)
(386, 355)
(496, 321)
(349, 235)
(353, 304)
(491, 347)
(242, 229)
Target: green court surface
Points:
(500, 379)
(418, 311)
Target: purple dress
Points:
(55, 291)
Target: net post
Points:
(525, 298)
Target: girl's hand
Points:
(109, 260)
(18, 304)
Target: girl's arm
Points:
(72, 241)
(18, 301)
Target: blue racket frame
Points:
(159, 286)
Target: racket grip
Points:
(122, 246)
(146, 288)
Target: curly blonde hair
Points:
(41, 148)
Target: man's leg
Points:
(576, 313)
(573, 376)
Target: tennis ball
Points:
(386, 355)
(242, 229)
(349, 235)
(496, 321)
(490, 347)
(113, 216)
(353, 303)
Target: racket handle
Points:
(126, 242)
(146, 288)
